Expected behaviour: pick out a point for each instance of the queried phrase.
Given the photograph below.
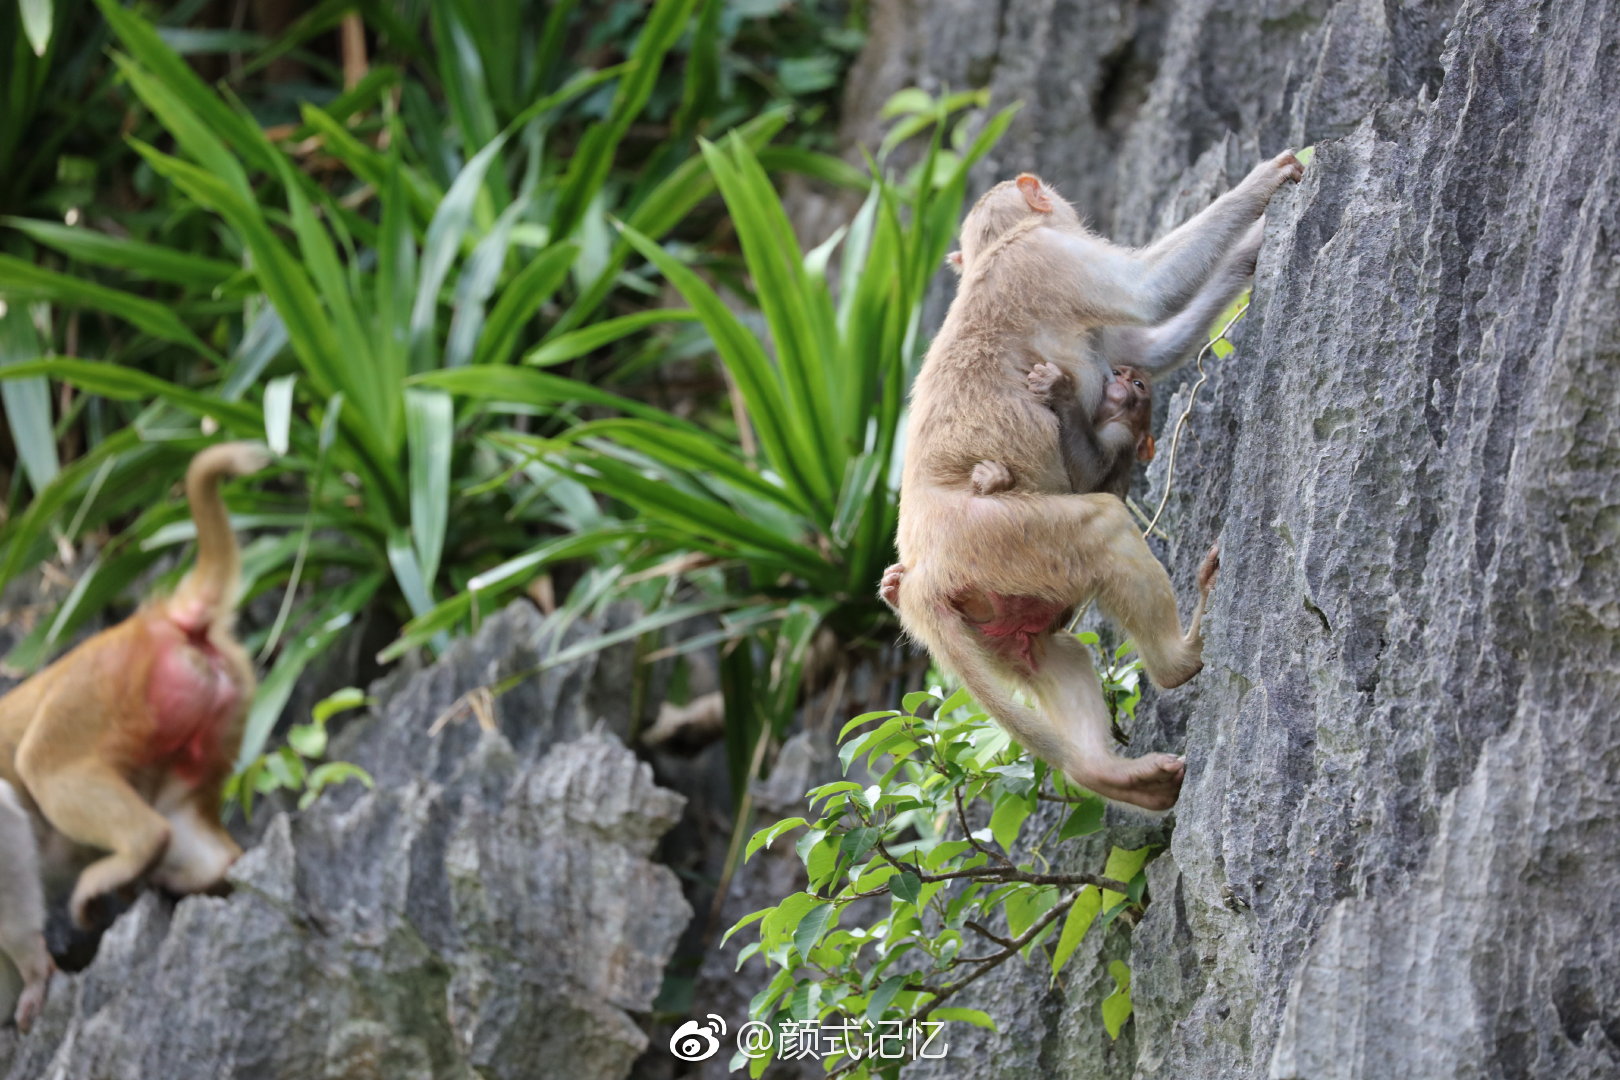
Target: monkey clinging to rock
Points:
(118, 752)
(1008, 520)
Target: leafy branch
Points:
(962, 901)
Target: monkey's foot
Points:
(1208, 569)
(1152, 781)
(1050, 383)
(991, 478)
(33, 999)
(889, 585)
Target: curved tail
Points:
(209, 591)
(957, 646)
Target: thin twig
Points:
(1005, 943)
(961, 815)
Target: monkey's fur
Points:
(119, 750)
(1038, 286)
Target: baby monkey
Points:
(1119, 436)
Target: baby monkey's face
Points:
(1128, 400)
(1130, 392)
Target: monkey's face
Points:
(1129, 397)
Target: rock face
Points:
(489, 910)
(1395, 853)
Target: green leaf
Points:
(442, 245)
(329, 773)
(971, 1016)
(308, 739)
(1116, 1007)
(663, 208)
(478, 280)
(151, 262)
(884, 995)
(905, 102)
(746, 920)
(783, 439)
(592, 159)
(350, 697)
(579, 343)
(1081, 915)
(520, 300)
(913, 702)
(812, 925)
(36, 21)
(857, 842)
(183, 84)
(129, 384)
(540, 390)
(1008, 818)
(865, 718)
(1026, 904)
(822, 860)
(1123, 865)
(27, 402)
(804, 1002)
(1085, 819)
(767, 836)
(906, 887)
(20, 280)
(430, 435)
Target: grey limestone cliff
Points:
(490, 910)
(1398, 850)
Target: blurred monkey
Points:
(122, 746)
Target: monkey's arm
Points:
(1162, 348)
(1228, 215)
(1120, 287)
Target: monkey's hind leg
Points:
(25, 964)
(1140, 599)
(91, 804)
(1070, 695)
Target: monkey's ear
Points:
(954, 261)
(1144, 448)
(1030, 185)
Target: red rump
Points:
(193, 697)
(1012, 623)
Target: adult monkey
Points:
(120, 748)
(991, 578)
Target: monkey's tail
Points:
(212, 584)
(954, 643)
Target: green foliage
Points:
(298, 766)
(906, 836)
(300, 283)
